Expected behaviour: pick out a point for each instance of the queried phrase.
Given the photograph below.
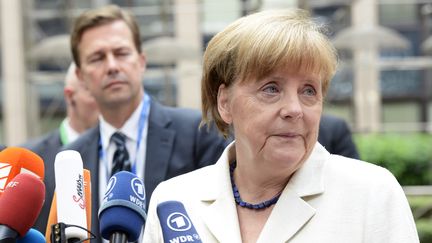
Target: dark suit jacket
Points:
(175, 146)
(335, 136)
(47, 148)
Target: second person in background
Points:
(161, 142)
(336, 137)
(81, 114)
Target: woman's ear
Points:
(223, 104)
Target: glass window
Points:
(398, 14)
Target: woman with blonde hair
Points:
(264, 81)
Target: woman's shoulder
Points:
(186, 185)
(353, 170)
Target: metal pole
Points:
(187, 30)
(367, 94)
(14, 73)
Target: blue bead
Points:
(244, 204)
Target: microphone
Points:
(16, 160)
(52, 218)
(175, 223)
(122, 214)
(32, 236)
(71, 205)
(88, 198)
(20, 205)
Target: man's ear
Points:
(68, 96)
(143, 62)
(223, 104)
(79, 75)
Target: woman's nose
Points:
(291, 107)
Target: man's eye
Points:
(95, 59)
(122, 53)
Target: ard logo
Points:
(5, 169)
(138, 188)
(178, 222)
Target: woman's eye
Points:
(271, 89)
(309, 91)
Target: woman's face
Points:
(275, 119)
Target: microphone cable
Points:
(58, 234)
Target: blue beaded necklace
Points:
(244, 204)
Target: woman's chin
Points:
(287, 159)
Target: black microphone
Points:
(175, 223)
(8, 235)
(122, 214)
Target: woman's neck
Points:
(257, 185)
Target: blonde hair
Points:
(258, 44)
(101, 16)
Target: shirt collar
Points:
(129, 128)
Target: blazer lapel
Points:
(220, 216)
(287, 218)
(292, 211)
(221, 220)
(160, 141)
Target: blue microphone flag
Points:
(175, 223)
(123, 206)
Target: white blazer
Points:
(329, 199)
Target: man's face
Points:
(111, 66)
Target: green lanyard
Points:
(63, 133)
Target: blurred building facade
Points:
(384, 82)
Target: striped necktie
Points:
(121, 159)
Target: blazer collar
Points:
(290, 213)
(220, 216)
(309, 179)
(293, 211)
(160, 139)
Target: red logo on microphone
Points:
(79, 198)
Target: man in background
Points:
(135, 132)
(335, 135)
(82, 114)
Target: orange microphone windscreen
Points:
(52, 218)
(88, 198)
(16, 160)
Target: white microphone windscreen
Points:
(69, 180)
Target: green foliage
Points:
(424, 229)
(407, 156)
(421, 206)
